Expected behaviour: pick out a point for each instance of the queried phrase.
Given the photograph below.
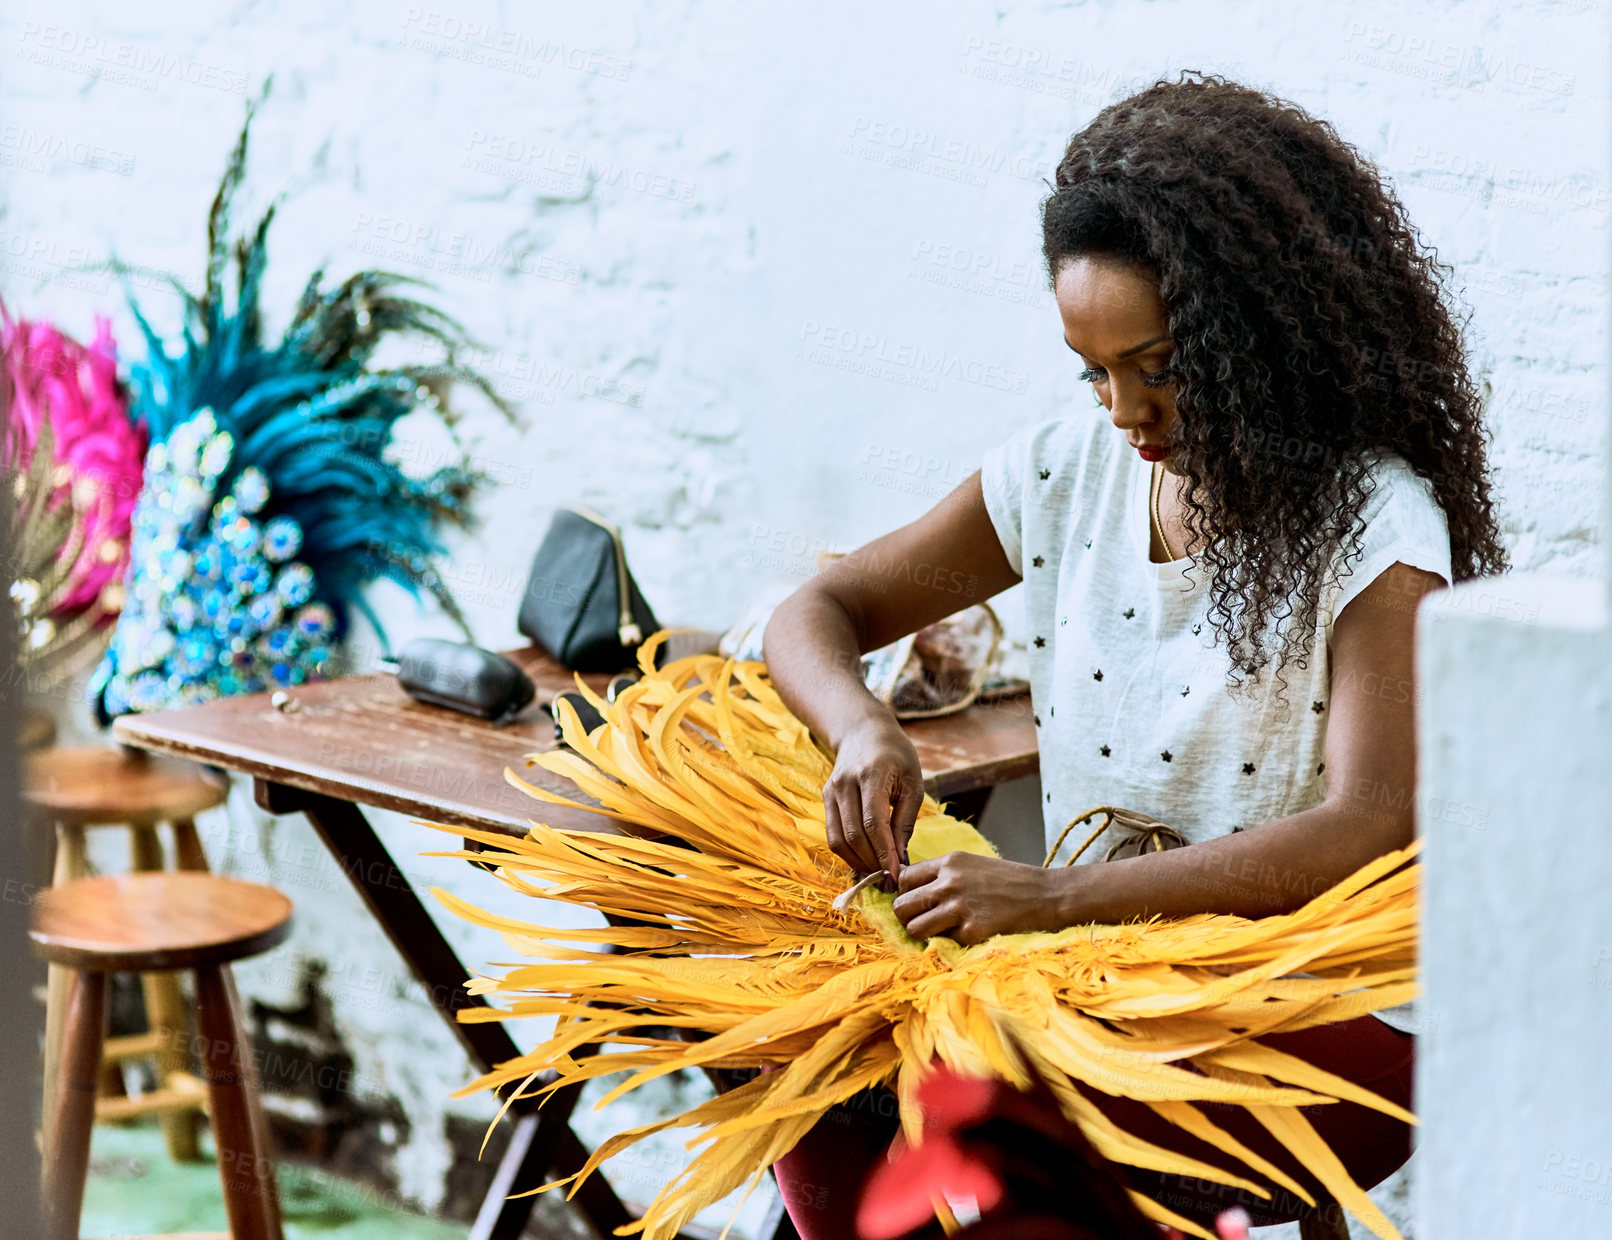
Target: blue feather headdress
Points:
(267, 503)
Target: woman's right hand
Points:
(818, 636)
(872, 799)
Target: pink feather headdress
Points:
(75, 461)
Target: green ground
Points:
(135, 1189)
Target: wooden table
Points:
(361, 741)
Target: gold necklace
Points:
(1158, 521)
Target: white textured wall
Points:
(1512, 1086)
(715, 249)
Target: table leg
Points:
(548, 1141)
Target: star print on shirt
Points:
(1104, 751)
(1248, 768)
(1040, 642)
(1196, 629)
(1166, 755)
(1185, 689)
(1045, 474)
(1088, 544)
(1318, 707)
(1098, 674)
(1037, 720)
(1129, 613)
(1037, 562)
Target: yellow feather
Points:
(1162, 1214)
(1298, 1135)
(735, 942)
(1189, 1119)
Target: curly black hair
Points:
(1311, 331)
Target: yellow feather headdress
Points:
(736, 942)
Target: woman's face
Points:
(1114, 319)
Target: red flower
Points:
(901, 1196)
(1029, 1172)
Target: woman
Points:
(1221, 572)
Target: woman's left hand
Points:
(969, 898)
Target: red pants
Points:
(821, 1178)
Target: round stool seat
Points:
(147, 922)
(93, 785)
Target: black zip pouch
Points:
(581, 603)
(464, 678)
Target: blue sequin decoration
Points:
(282, 539)
(295, 585)
(251, 489)
(215, 602)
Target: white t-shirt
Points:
(1128, 687)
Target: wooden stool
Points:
(145, 923)
(105, 785)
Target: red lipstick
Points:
(1152, 454)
